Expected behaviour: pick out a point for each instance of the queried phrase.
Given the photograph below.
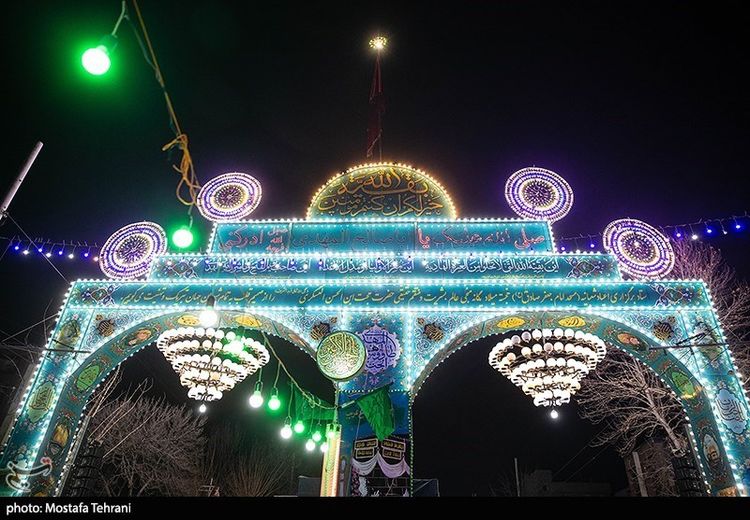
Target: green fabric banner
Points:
(378, 410)
(309, 408)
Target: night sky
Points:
(643, 108)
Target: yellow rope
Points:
(188, 178)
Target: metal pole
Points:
(19, 180)
(639, 474)
(518, 482)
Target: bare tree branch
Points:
(155, 448)
(631, 402)
(244, 466)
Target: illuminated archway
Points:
(383, 255)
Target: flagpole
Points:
(380, 116)
(377, 102)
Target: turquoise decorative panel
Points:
(356, 236)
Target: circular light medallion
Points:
(539, 194)
(341, 356)
(128, 253)
(641, 250)
(231, 196)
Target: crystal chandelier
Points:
(548, 364)
(211, 361)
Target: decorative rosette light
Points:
(548, 364)
(128, 253)
(641, 250)
(539, 194)
(230, 196)
(211, 361)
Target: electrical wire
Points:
(592, 459)
(675, 227)
(311, 399)
(10, 217)
(188, 178)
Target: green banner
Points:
(378, 410)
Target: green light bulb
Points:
(317, 436)
(274, 403)
(182, 238)
(299, 427)
(96, 60)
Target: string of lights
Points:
(699, 230)
(51, 248)
(702, 229)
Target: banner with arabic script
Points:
(338, 266)
(378, 295)
(494, 236)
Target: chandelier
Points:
(548, 364)
(211, 361)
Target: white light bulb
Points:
(208, 318)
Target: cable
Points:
(7, 214)
(312, 399)
(570, 460)
(30, 327)
(587, 462)
(676, 227)
(186, 169)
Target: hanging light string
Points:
(51, 248)
(309, 397)
(718, 226)
(703, 228)
(188, 179)
(10, 217)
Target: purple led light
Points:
(678, 235)
(60, 252)
(641, 250)
(128, 253)
(228, 197)
(86, 254)
(737, 226)
(709, 230)
(591, 245)
(17, 248)
(538, 194)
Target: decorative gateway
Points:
(548, 364)
(211, 361)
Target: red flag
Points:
(377, 109)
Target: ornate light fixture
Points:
(548, 364)
(211, 361)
